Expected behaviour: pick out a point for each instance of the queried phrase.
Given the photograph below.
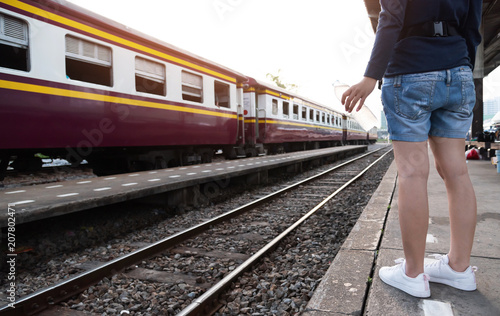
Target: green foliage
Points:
(277, 80)
(42, 156)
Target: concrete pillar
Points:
(294, 168)
(259, 177)
(477, 121)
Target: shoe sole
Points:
(407, 290)
(454, 284)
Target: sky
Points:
(312, 44)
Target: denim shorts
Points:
(437, 103)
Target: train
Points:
(82, 87)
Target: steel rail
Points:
(203, 304)
(44, 298)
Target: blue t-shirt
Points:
(416, 54)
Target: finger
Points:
(346, 104)
(349, 104)
(345, 95)
(352, 103)
(361, 103)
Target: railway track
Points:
(275, 217)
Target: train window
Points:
(295, 112)
(13, 43)
(328, 119)
(286, 109)
(221, 91)
(322, 117)
(149, 76)
(304, 113)
(275, 107)
(317, 116)
(88, 61)
(311, 115)
(192, 87)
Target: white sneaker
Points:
(440, 271)
(396, 276)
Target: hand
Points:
(358, 93)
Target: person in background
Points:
(425, 51)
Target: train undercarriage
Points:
(107, 161)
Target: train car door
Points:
(344, 129)
(249, 116)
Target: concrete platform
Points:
(36, 202)
(352, 285)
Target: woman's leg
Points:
(412, 162)
(451, 165)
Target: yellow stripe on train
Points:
(105, 98)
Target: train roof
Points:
(60, 11)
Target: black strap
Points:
(430, 29)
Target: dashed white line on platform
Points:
(83, 182)
(21, 202)
(191, 173)
(68, 194)
(14, 192)
(207, 171)
(54, 186)
(110, 178)
(133, 175)
(219, 169)
(176, 176)
(154, 180)
(102, 189)
(129, 184)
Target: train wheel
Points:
(251, 152)
(160, 163)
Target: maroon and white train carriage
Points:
(80, 86)
(278, 120)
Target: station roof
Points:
(491, 20)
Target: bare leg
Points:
(451, 165)
(412, 162)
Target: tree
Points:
(277, 80)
